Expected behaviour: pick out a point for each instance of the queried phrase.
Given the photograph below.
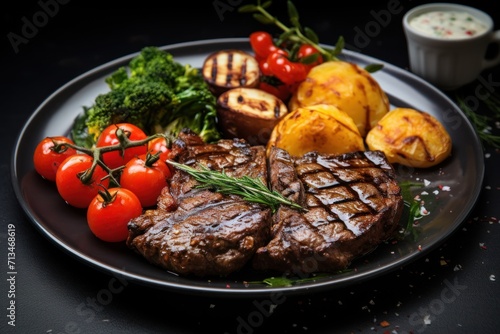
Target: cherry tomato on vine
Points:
(108, 137)
(70, 185)
(47, 156)
(264, 68)
(159, 145)
(110, 211)
(262, 44)
(281, 91)
(309, 54)
(145, 176)
(287, 71)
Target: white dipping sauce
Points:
(448, 24)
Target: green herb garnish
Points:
(295, 35)
(250, 189)
(413, 205)
(481, 122)
(276, 282)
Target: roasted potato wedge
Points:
(249, 113)
(323, 128)
(410, 137)
(347, 86)
(227, 69)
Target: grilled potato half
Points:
(323, 128)
(347, 86)
(249, 113)
(227, 69)
(411, 137)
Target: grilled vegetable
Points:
(347, 86)
(227, 69)
(155, 93)
(410, 137)
(249, 113)
(323, 128)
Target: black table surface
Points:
(449, 290)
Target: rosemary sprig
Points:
(250, 189)
(493, 104)
(480, 122)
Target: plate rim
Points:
(237, 292)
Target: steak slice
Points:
(353, 204)
(197, 231)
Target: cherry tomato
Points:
(287, 71)
(110, 211)
(47, 157)
(309, 55)
(69, 184)
(264, 68)
(160, 145)
(145, 176)
(108, 137)
(280, 91)
(262, 44)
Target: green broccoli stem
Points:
(96, 153)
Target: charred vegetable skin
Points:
(155, 93)
(227, 69)
(249, 113)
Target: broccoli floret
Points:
(155, 93)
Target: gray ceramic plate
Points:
(453, 187)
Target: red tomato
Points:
(146, 178)
(47, 159)
(309, 55)
(262, 44)
(281, 91)
(287, 71)
(264, 68)
(159, 145)
(109, 212)
(69, 184)
(115, 159)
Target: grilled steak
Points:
(199, 232)
(353, 204)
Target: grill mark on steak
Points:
(354, 203)
(197, 231)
